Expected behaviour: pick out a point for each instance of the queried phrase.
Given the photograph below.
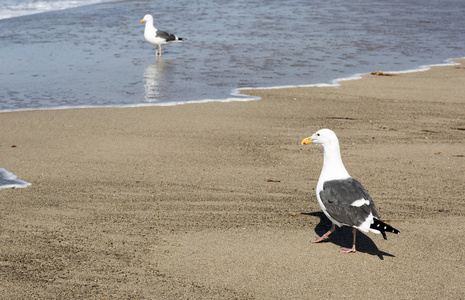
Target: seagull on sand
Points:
(342, 198)
(157, 37)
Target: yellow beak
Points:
(142, 21)
(307, 141)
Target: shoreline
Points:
(241, 97)
(216, 200)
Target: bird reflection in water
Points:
(152, 76)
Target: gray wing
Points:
(338, 197)
(166, 35)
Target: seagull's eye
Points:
(317, 134)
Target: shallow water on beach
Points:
(96, 55)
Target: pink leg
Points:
(326, 235)
(350, 250)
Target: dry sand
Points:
(175, 202)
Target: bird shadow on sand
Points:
(343, 236)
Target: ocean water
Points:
(96, 55)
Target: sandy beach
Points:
(217, 200)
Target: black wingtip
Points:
(384, 235)
(383, 228)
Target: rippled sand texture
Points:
(217, 200)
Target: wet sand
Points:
(217, 201)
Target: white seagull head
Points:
(147, 18)
(323, 137)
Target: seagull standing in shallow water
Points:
(342, 198)
(157, 37)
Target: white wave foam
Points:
(9, 180)
(18, 8)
